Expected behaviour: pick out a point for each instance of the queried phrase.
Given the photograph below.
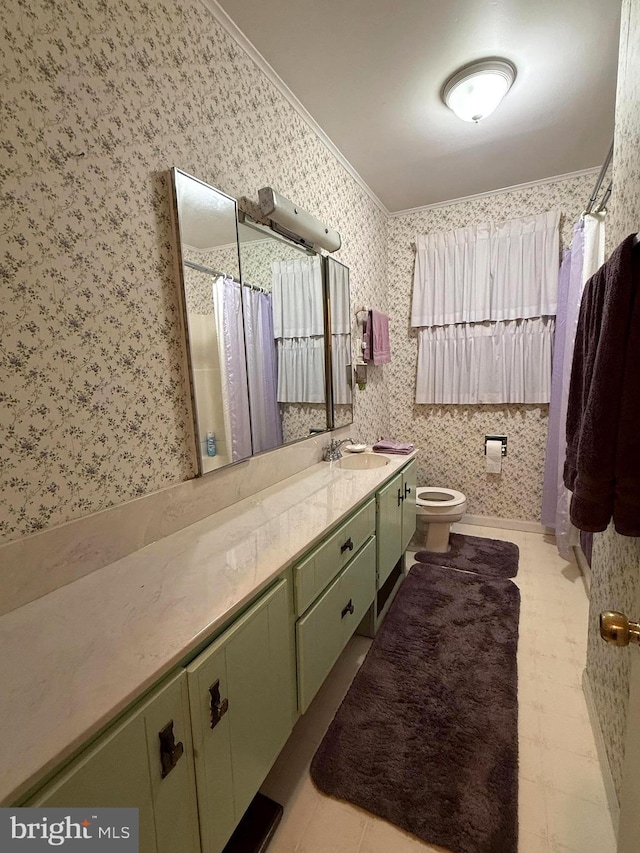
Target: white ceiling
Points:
(370, 73)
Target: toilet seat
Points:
(437, 498)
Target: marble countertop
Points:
(74, 659)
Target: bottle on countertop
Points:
(211, 444)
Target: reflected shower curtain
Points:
(262, 369)
(579, 263)
(233, 366)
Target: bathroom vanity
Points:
(171, 679)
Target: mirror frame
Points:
(184, 312)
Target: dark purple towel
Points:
(602, 466)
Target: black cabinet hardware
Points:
(348, 546)
(219, 706)
(348, 609)
(170, 751)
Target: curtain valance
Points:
(298, 302)
(489, 271)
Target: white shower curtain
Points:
(585, 257)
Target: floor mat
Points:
(426, 737)
(492, 557)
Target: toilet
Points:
(436, 510)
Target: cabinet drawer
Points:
(325, 629)
(314, 573)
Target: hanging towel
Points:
(602, 466)
(381, 353)
(389, 445)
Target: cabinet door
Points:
(389, 527)
(241, 685)
(409, 504)
(123, 769)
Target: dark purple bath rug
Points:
(426, 737)
(491, 557)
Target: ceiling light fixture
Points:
(476, 90)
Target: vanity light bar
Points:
(296, 221)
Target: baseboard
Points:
(584, 567)
(607, 778)
(505, 523)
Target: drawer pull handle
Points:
(219, 707)
(407, 490)
(400, 498)
(348, 546)
(170, 751)
(348, 609)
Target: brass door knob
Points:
(616, 629)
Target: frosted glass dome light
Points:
(476, 90)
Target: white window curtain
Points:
(298, 326)
(525, 260)
(452, 278)
(301, 370)
(504, 362)
(298, 306)
(484, 299)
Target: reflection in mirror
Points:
(212, 303)
(284, 308)
(341, 370)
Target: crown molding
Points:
(254, 54)
(594, 170)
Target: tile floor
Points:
(562, 805)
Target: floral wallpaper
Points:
(99, 101)
(615, 566)
(451, 438)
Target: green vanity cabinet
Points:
(144, 762)
(241, 690)
(326, 627)
(396, 522)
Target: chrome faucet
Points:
(332, 451)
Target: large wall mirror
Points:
(256, 314)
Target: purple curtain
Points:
(555, 497)
(266, 424)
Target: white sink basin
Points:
(363, 462)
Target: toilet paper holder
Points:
(501, 438)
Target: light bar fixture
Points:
(294, 222)
(476, 90)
